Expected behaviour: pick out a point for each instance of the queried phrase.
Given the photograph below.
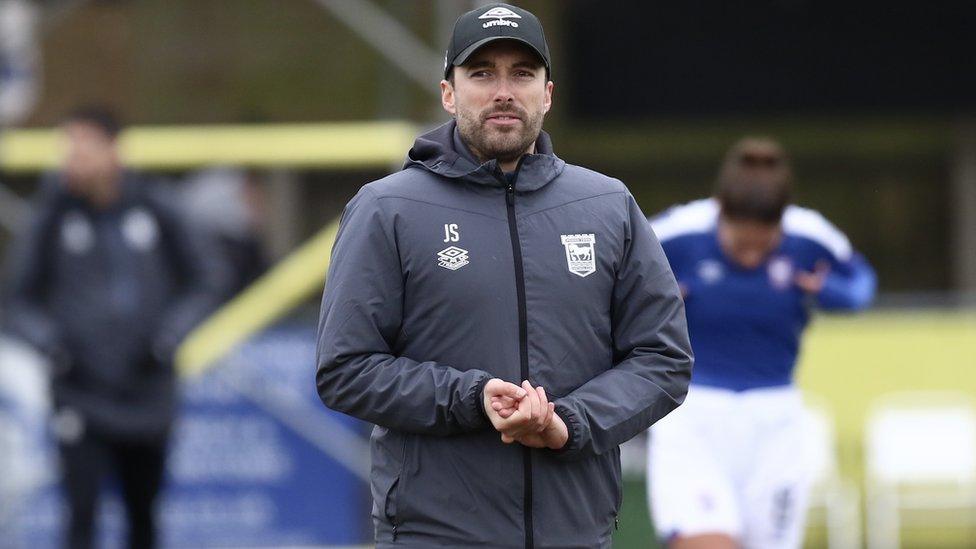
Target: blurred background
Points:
(266, 116)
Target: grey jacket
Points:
(109, 294)
(556, 279)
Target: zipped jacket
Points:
(109, 294)
(447, 274)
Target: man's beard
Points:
(504, 145)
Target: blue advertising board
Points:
(256, 460)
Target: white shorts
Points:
(731, 463)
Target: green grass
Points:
(849, 361)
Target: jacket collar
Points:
(442, 151)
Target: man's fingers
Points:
(500, 395)
(499, 387)
(550, 410)
(507, 439)
(550, 407)
(813, 282)
(544, 408)
(498, 403)
(806, 281)
(512, 391)
(525, 415)
(532, 396)
(507, 402)
(517, 420)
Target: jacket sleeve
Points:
(358, 372)
(203, 277)
(849, 286)
(26, 269)
(652, 353)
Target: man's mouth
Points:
(503, 118)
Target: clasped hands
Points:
(524, 415)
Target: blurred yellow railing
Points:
(272, 296)
(329, 145)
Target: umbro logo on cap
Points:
(500, 16)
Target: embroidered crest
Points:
(140, 229)
(580, 253)
(780, 273)
(710, 271)
(77, 234)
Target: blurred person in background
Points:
(231, 205)
(107, 281)
(727, 468)
(486, 263)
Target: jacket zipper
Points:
(523, 350)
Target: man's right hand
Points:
(498, 389)
(532, 412)
(813, 282)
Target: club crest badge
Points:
(77, 234)
(580, 253)
(780, 273)
(452, 258)
(710, 271)
(140, 229)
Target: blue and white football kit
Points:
(729, 460)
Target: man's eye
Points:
(479, 74)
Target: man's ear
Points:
(547, 102)
(447, 97)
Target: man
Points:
(504, 318)
(727, 470)
(107, 281)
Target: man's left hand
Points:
(554, 436)
(812, 283)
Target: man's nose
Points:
(504, 91)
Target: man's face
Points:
(499, 98)
(748, 243)
(90, 156)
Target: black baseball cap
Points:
(495, 22)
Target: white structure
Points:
(19, 60)
(920, 460)
(833, 499)
(24, 409)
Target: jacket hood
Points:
(441, 151)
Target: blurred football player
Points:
(726, 469)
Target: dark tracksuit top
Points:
(447, 274)
(109, 294)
